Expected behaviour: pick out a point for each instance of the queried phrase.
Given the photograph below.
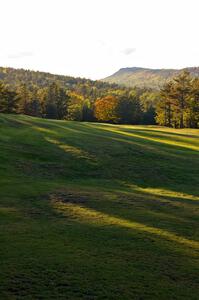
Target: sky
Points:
(95, 38)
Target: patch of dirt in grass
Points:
(70, 197)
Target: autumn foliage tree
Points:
(106, 109)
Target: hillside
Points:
(149, 78)
(98, 211)
(14, 77)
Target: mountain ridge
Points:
(146, 77)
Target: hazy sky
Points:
(94, 38)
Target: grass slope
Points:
(95, 211)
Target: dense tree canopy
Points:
(61, 97)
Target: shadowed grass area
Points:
(98, 211)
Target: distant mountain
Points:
(143, 77)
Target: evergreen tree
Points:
(42, 96)
(180, 94)
(24, 99)
(192, 112)
(148, 102)
(164, 105)
(129, 109)
(35, 105)
(51, 98)
(8, 100)
(62, 101)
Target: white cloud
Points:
(128, 51)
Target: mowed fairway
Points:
(98, 211)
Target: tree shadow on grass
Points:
(155, 137)
(157, 131)
(80, 150)
(168, 211)
(108, 239)
(166, 136)
(151, 249)
(134, 159)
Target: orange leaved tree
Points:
(106, 109)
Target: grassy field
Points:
(98, 211)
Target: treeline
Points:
(55, 102)
(61, 97)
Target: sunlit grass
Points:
(98, 218)
(167, 193)
(45, 130)
(162, 139)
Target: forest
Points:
(50, 96)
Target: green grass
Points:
(98, 211)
